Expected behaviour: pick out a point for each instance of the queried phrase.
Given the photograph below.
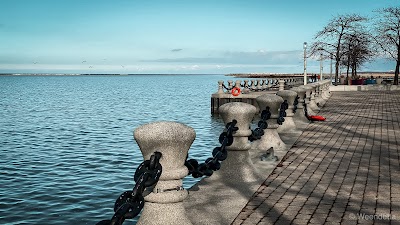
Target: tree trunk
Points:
(355, 70)
(396, 73)
(336, 71)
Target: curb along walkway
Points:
(344, 170)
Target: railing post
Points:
(253, 86)
(307, 100)
(230, 85)
(281, 84)
(325, 90)
(264, 84)
(321, 101)
(288, 125)
(313, 104)
(238, 166)
(238, 84)
(220, 87)
(271, 137)
(246, 89)
(163, 205)
(259, 87)
(300, 114)
(269, 85)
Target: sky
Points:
(168, 36)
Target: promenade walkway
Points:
(344, 170)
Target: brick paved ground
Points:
(339, 170)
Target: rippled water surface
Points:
(66, 144)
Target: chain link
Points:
(295, 103)
(282, 112)
(305, 109)
(262, 125)
(130, 203)
(219, 154)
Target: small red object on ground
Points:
(236, 91)
(316, 118)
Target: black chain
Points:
(282, 112)
(219, 154)
(262, 125)
(248, 86)
(295, 103)
(305, 109)
(228, 89)
(130, 203)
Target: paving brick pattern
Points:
(344, 170)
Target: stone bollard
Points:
(281, 84)
(271, 137)
(253, 86)
(246, 87)
(307, 100)
(325, 90)
(269, 85)
(322, 100)
(238, 84)
(230, 86)
(318, 99)
(289, 125)
(259, 87)
(313, 105)
(220, 87)
(300, 115)
(238, 166)
(264, 84)
(164, 204)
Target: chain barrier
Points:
(228, 89)
(248, 86)
(295, 103)
(130, 203)
(282, 112)
(262, 125)
(305, 109)
(219, 154)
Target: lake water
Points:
(66, 142)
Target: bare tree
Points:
(330, 38)
(387, 30)
(356, 49)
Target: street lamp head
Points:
(305, 44)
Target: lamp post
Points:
(305, 62)
(330, 74)
(321, 67)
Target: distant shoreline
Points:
(101, 74)
(284, 75)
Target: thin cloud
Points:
(232, 57)
(176, 50)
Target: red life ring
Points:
(316, 118)
(236, 91)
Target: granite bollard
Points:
(271, 137)
(307, 99)
(289, 125)
(281, 84)
(313, 105)
(238, 166)
(318, 96)
(220, 87)
(164, 204)
(300, 115)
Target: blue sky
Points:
(147, 36)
